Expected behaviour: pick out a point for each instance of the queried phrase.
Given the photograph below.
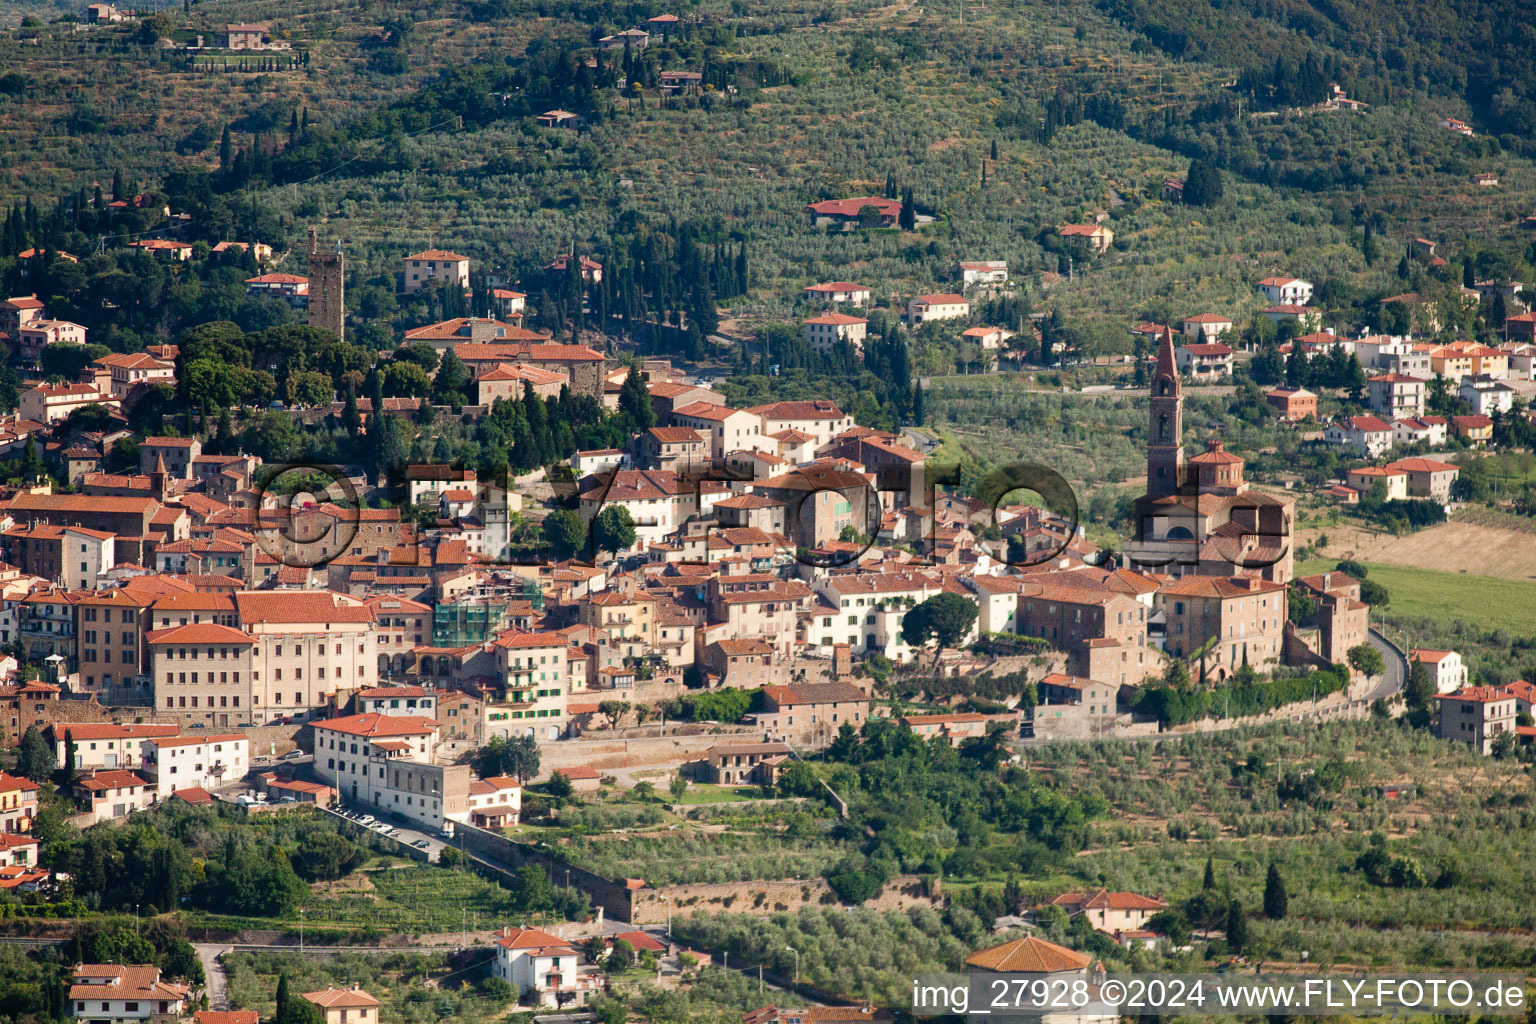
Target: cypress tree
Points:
(1209, 882)
(1237, 927)
(283, 1012)
(919, 412)
(1275, 898)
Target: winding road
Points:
(1395, 677)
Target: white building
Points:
(206, 762)
(539, 965)
(1289, 290)
(1364, 435)
(110, 992)
(942, 306)
(974, 272)
(398, 700)
(1446, 666)
(1486, 395)
(837, 293)
(1396, 396)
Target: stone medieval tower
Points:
(327, 303)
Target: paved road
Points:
(217, 984)
(1395, 678)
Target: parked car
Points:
(366, 819)
(422, 844)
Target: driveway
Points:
(217, 984)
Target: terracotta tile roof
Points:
(1029, 955)
(437, 254)
(374, 724)
(340, 997)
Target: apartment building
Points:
(1245, 616)
(71, 556)
(537, 673)
(942, 306)
(1396, 395)
(204, 673)
(1476, 715)
(312, 648)
(206, 762)
(110, 631)
(864, 611)
(385, 761)
(811, 713)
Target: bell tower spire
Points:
(1165, 450)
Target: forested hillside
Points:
(394, 125)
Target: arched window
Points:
(1162, 427)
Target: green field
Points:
(1489, 602)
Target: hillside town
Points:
(623, 621)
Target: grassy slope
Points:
(1486, 600)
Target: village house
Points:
(1446, 667)
(510, 380)
(989, 338)
(1246, 616)
(1452, 124)
(735, 764)
(820, 418)
(1095, 236)
(18, 312)
(1304, 317)
(943, 306)
(1204, 362)
(18, 803)
(811, 713)
(1293, 404)
(631, 38)
(561, 119)
(291, 288)
(837, 293)
(954, 729)
(1205, 327)
(847, 214)
(100, 993)
(824, 331)
(433, 268)
(1111, 912)
(1365, 478)
(35, 335)
(1476, 715)
(106, 795)
(344, 1005)
(207, 762)
(1368, 436)
(1291, 290)
(1475, 430)
(980, 272)
(1427, 478)
(50, 403)
(727, 429)
(1426, 430)
(1486, 395)
(541, 967)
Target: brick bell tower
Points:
(1165, 453)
